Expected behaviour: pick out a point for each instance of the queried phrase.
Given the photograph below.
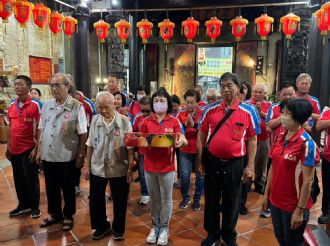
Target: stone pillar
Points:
(134, 54)
(81, 47)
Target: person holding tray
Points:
(159, 164)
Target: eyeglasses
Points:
(56, 85)
(20, 84)
(146, 111)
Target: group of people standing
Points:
(227, 143)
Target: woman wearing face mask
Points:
(159, 165)
(135, 107)
(294, 156)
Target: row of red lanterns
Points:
(42, 16)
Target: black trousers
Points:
(77, 174)
(222, 180)
(26, 181)
(59, 176)
(326, 186)
(119, 190)
(246, 187)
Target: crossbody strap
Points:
(223, 120)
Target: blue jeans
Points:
(281, 222)
(160, 187)
(143, 185)
(186, 163)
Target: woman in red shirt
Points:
(294, 156)
(159, 165)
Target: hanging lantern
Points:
(41, 15)
(190, 28)
(213, 28)
(101, 30)
(238, 26)
(326, 8)
(144, 26)
(69, 25)
(321, 23)
(6, 9)
(55, 22)
(290, 24)
(23, 10)
(166, 29)
(264, 25)
(123, 29)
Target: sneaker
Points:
(144, 200)
(35, 214)
(265, 213)
(243, 211)
(211, 240)
(77, 190)
(100, 233)
(184, 204)
(196, 205)
(152, 237)
(323, 219)
(18, 211)
(117, 236)
(163, 238)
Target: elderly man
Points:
(62, 147)
(230, 123)
(260, 163)
(108, 161)
(211, 95)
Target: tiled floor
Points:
(186, 227)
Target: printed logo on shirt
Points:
(67, 115)
(117, 131)
(169, 130)
(290, 157)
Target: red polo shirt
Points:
(134, 108)
(89, 107)
(265, 105)
(315, 104)
(190, 131)
(326, 153)
(229, 142)
(288, 158)
(160, 159)
(24, 123)
(201, 103)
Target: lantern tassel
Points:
(144, 47)
(272, 27)
(288, 43)
(323, 40)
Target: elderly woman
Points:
(294, 156)
(159, 165)
(108, 161)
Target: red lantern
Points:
(239, 27)
(6, 9)
(144, 26)
(69, 25)
(326, 8)
(123, 29)
(41, 15)
(264, 25)
(290, 24)
(321, 23)
(166, 29)
(23, 10)
(102, 30)
(213, 28)
(55, 22)
(190, 28)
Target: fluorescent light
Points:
(115, 2)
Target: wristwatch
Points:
(81, 155)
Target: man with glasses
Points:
(62, 147)
(24, 116)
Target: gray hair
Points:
(261, 86)
(304, 76)
(65, 78)
(211, 92)
(102, 94)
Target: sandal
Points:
(49, 221)
(67, 224)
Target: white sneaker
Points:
(152, 237)
(144, 200)
(163, 238)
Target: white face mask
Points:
(139, 97)
(160, 107)
(287, 122)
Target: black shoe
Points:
(323, 219)
(211, 240)
(117, 236)
(100, 233)
(259, 189)
(19, 211)
(184, 204)
(35, 214)
(196, 205)
(243, 211)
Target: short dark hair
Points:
(232, 76)
(162, 93)
(300, 109)
(146, 100)
(37, 90)
(175, 99)
(27, 79)
(288, 85)
(192, 93)
(112, 75)
(140, 88)
(249, 89)
(123, 98)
